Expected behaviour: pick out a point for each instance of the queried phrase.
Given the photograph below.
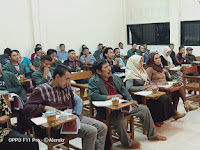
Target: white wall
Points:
(15, 26)
(157, 11)
(51, 22)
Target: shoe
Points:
(158, 138)
(136, 145)
(189, 107)
(157, 124)
(179, 116)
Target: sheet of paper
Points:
(175, 68)
(106, 103)
(143, 93)
(170, 84)
(39, 120)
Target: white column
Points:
(175, 23)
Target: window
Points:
(190, 33)
(151, 34)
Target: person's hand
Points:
(46, 70)
(119, 95)
(135, 103)
(116, 61)
(47, 108)
(88, 55)
(147, 87)
(172, 66)
(162, 83)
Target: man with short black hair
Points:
(36, 61)
(87, 58)
(104, 86)
(180, 57)
(122, 62)
(173, 54)
(72, 62)
(62, 55)
(55, 61)
(122, 50)
(98, 52)
(146, 49)
(44, 72)
(5, 57)
(14, 66)
(143, 53)
(45, 97)
(133, 50)
(109, 57)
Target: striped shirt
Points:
(48, 95)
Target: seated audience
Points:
(137, 80)
(10, 83)
(123, 51)
(104, 86)
(157, 76)
(87, 58)
(83, 46)
(133, 50)
(27, 63)
(33, 55)
(167, 64)
(72, 62)
(23, 142)
(75, 65)
(101, 55)
(146, 49)
(36, 61)
(173, 54)
(109, 57)
(45, 97)
(122, 62)
(14, 66)
(44, 74)
(5, 57)
(99, 51)
(62, 54)
(55, 61)
(143, 53)
(180, 57)
(189, 56)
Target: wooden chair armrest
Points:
(191, 77)
(79, 85)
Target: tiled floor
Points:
(183, 134)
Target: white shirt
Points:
(123, 52)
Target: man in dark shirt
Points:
(180, 57)
(5, 57)
(109, 57)
(172, 55)
(75, 65)
(57, 95)
(189, 56)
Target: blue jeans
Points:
(78, 104)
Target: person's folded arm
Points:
(34, 107)
(94, 92)
(132, 88)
